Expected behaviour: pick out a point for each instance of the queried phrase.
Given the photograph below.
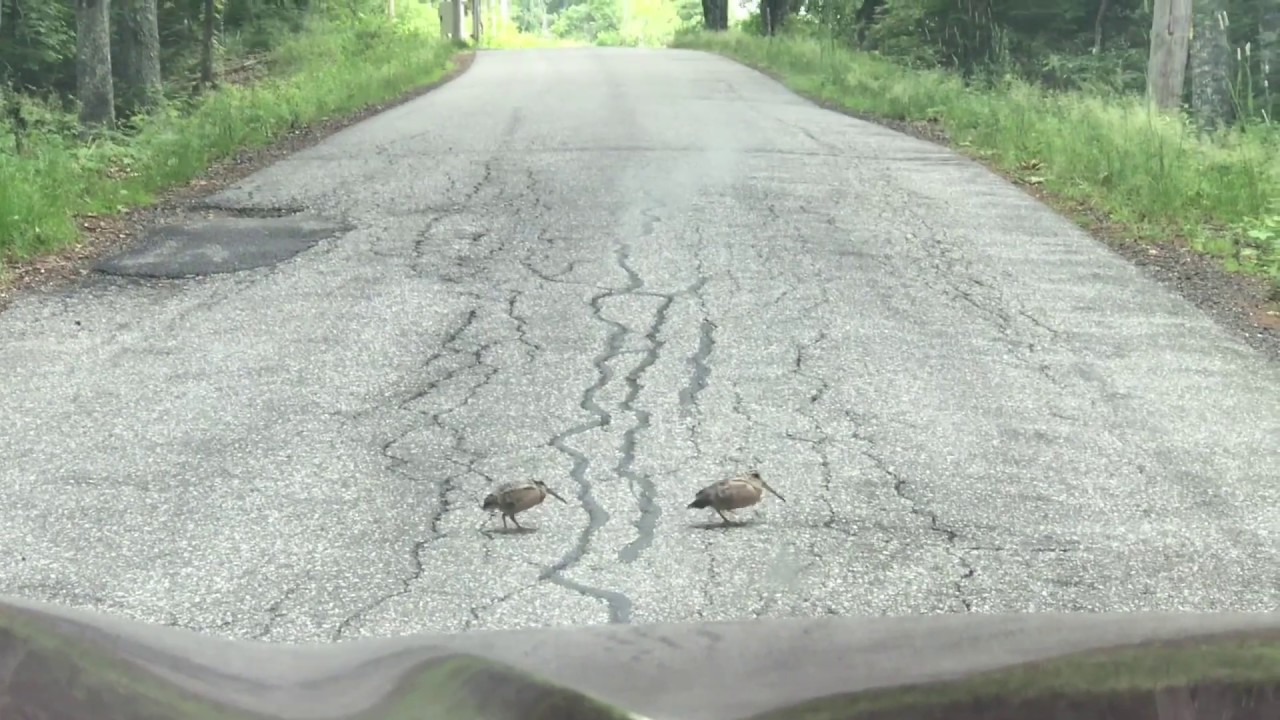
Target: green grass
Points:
(332, 68)
(1149, 172)
(1083, 675)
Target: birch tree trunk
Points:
(1269, 56)
(1167, 65)
(1211, 65)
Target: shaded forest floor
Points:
(1211, 264)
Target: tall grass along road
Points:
(627, 273)
(58, 179)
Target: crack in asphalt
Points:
(1003, 549)
(819, 445)
(1017, 327)
(900, 487)
(446, 485)
(522, 326)
(275, 611)
(476, 610)
(485, 176)
(619, 604)
(961, 283)
(700, 375)
(649, 509)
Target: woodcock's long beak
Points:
(556, 495)
(775, 492)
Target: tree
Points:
(94, 88)
(715, 14)
(210, 18)
(1210, 64)
(1269, 53)
(1099, 24)
(775, 15)
(1167, 64)
(140, 55)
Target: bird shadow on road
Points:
(721, 525)
(506, 532)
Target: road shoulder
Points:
(106, 235)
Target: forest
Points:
(1158, 114)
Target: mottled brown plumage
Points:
(733, 493)
(514, 497)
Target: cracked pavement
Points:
(630, 273)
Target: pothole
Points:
(216, 240)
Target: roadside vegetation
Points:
(1167, 142)
(162, 89)
(562, 23)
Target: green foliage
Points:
(1259, 246)
(1153, 172)
(625, 22)
(335, 64)
(1060, 44)
(37, 38)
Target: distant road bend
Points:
(628, 273)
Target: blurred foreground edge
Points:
(68, 664)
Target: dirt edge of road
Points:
(1235, 301)
(104, 235)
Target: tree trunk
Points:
(1167, 64)
(715, 14)
(140, 55)
(207, 78)
(776, 12)
(1269, 56)
(94, 87)
(1098, 24)
(1210, 65)
(865, 17)
(391, 9)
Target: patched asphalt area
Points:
(968, 403)
(213, 245)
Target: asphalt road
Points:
(630, 273)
